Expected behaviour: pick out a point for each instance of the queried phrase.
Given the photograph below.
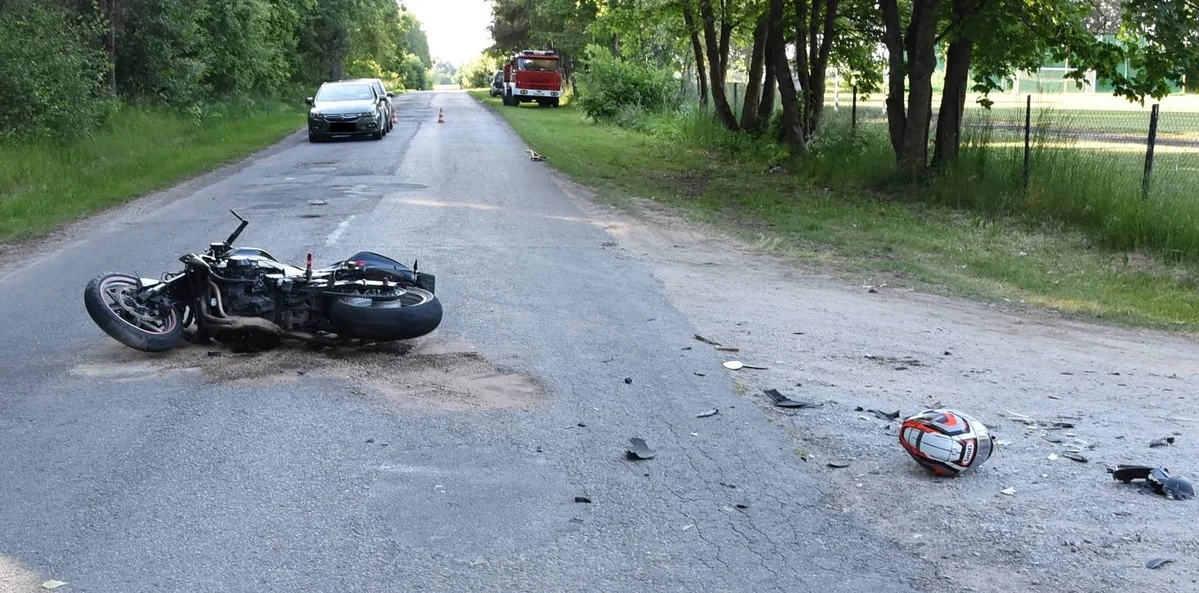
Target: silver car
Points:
(346, 110)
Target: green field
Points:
(43, 185)
(820, 215)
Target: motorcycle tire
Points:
(122, 327)
(399, 319)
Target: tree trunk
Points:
(896, 74)
(766, 106)
(726, 34)
(802, 67)
(782, 71)
(749, 111)
(698, 49)
(819, 74)
(953, 102)
(716, 73)
(922, 61)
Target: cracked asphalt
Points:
(117, 475)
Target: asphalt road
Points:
(122, 480)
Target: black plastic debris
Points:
(640, 450)
(707, 413)
(1158, 479)
(727, 349)
(742, 506)
(698, 374)
(583, 499)
(783, 401)
(582, 425)
(881, 414)
(369, 441)
(838, 464)
(1075, 456)
(628, 380)
(1061, 425)
(707, 341)
(1158, 563)
(1162, 442)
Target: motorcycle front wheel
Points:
(114, 306)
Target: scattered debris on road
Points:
(628, 380)
(1008, 491)
(736, 365)
(583, 499)
(1075, 456)
(317, 202)
(707, 341)
(52, 584)
(727, 349)
(783, 401)
(1156, 478)
(1158, 563)
(1162, 442)
(838, 464)
(881, 414)
(533, 156)
(640, 450)
(707, 413)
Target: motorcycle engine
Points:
(250, 298)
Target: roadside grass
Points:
(43, 185)
(836, 211)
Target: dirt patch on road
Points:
(426, 374)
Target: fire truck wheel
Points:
(554, 102)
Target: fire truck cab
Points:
(533, 76)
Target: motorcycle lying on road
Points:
(247, 298)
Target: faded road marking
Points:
(333, 237)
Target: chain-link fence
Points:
(1150, 149)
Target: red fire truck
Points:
(533, 76)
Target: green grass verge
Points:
(867, 237)
(43, 185)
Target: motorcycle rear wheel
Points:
(112, 304)
(414, 313)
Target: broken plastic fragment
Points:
(52, 584)
(1073, 456)
(727, 349)
(583, 499)
(707, 413)
(628, 380)
(1008, 491)
(640, 450)
(1162, 442)
(733, 365)
(1157, 563)
(783, 401)
(838, 464)
(706, 340)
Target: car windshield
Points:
(537, 64)
(345, 92)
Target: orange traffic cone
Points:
(440, 115)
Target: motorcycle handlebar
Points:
(237, 233)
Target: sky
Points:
(457, 29)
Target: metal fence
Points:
(1153, 149)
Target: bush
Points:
(50, 78)
(612, 86)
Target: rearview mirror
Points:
(308, 100)
(390, 95)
